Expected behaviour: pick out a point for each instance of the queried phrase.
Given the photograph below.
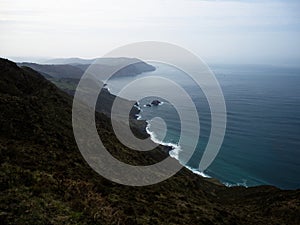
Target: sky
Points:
(248, 32)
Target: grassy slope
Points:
(44, 179)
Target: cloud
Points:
(216, 29)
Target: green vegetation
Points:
(45, 180)
(66, 84)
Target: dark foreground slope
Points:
(44, 179)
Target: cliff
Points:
(45, 180)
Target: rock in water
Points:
(155, 102)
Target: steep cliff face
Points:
(45, 180)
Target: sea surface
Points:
(262, 140)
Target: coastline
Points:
(171, 148)
(47, 177)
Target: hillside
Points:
(44, 179)
(70, 69)
(69, 61)
(56, 71)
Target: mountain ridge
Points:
(72, 69)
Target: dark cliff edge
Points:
(45, 180)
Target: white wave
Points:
(174, 153)
(138, 117)
(176, 149)
(106, 87)
(244, 184)
(195, 171)
(137, 105)
(150, 104)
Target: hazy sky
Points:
(266, 32)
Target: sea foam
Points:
(174, 153)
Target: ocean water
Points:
(262, 140)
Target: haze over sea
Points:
(262, 140)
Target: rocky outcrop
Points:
(155, 102)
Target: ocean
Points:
(262, 140)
